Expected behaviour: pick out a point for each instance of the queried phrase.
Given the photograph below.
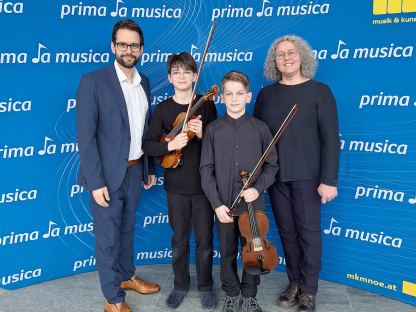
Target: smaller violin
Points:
(172, 160)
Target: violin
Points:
(173, 159)
(258, 255)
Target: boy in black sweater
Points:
(187, 205)
(231, 144)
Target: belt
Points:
(134, 162)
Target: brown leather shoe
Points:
(139, 285)
(108, 307)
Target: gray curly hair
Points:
(308, 62)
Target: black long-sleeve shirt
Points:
(230, 146)
(309, 149)
(184, 179)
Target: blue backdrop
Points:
(366, 55)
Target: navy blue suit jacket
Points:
(104, 132)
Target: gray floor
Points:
(81, 293)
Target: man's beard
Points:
(125, 64)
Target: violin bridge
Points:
(257, 246)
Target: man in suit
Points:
(113, 111)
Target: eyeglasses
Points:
(289, 54)
(178, 73)
(134, 47)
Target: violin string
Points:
(252, 219)
(251, 227)
(256, 228)
(174, 132)
(253, 224)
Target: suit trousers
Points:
(114, 234)
(297, 210)
(229, 235)
(187, 212)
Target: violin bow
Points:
(211, 33)
(266, 154)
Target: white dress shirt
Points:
(137, 105)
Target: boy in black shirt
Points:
(187, 205)
(231, 144)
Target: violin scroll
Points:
(209, 96)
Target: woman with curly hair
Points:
(308, 162)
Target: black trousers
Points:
(229, 235)
(297, 211)
(185, 212)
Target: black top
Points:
(184, 179)
(230, 146)
(310, 147)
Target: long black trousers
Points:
(297, 211)
(187, 212)
(229, 235)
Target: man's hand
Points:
(179, 142)
(222, 213)
(327, 192)
(250, 195)
(101, 197)
(195, 125)
(151, 180)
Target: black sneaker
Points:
(175, 298)
(208, 300)
(306, 303)
(290, 296)
(231, 304)
(250, 305)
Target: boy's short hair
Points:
(238, 76)
(183, 59)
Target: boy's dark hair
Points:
(238, 76)
(130, 25)
(183, 59)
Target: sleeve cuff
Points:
(216, 203)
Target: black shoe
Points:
(231, 304)
(175, 298)
(250, 305)
(208, 300)
(290, 296)
(306, 303)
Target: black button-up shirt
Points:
(230, 146)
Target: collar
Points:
(237, 121)
(122, 77)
